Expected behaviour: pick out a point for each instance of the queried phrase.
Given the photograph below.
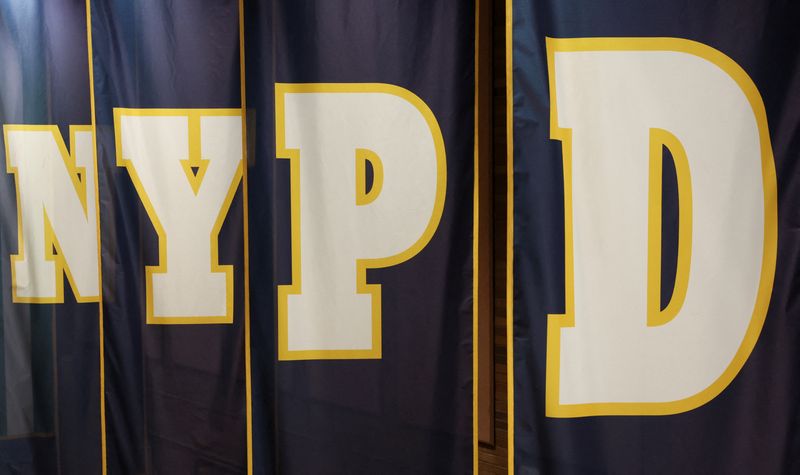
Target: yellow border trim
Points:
(476, 238)
(556, 321)
(293, 155)
(510, 228)
(193, 115)
(103, 447)
(655, 316)
(195, 160)
(364, 197)
(246, 231)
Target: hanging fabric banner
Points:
(167, 105)
(207, 270)
(652, 264)
(361, 120)
(49, 249)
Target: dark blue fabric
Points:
(751, 427)
(411, 411)
(44, 80)
(175, 394)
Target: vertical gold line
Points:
(99, 244)
(660, 138)
(510, 230)
(654, 237)
(475, 241)
(246, 231)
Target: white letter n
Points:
(56, 213)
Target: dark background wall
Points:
(493, 459)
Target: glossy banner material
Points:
(652, 256)
(237, 237)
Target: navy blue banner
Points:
(403, 403)
(237, 237)
(49, 333)
(167, 95)
(653, 250)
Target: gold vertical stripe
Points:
(99, 243)
(246, 231)
(475, 242)
(510, 229)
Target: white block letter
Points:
(614, 104)
(330, 132)
(186, 165)
(56, 213)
